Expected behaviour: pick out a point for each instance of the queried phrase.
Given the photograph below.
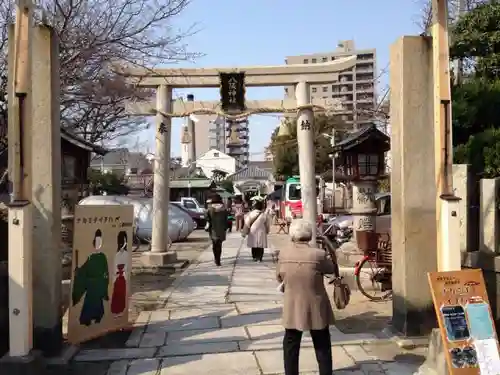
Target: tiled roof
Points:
(251, 172)
(266, 165)
(82, 143)
(122, 156)
(196, 183)
(359, 136)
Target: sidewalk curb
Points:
(178, 265)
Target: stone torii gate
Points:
(164, 80)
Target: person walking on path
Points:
(256, 228)
(238, 209)
(306, 305)
(217, 225)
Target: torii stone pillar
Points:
(159, 254)
(305, 140)
(413, 188)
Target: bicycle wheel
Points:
(367, 283)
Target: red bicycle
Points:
(373, 272)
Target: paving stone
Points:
(271, 362)
(189, 303)
(208, 335)
(207, 322)
(372, 369)
(358, 353)
(213, 310)
(159, 316)
(395, 368)
(143, 318)
(94, 355)
(349, 372)
(269, 344)
(153, 339)
(384, 352)
(147, 366)
(256, 308)
(190, 349)
(250, 319)
(229, 364)
(135, 337)
(118, 368)
(256, 297)
(266, 332)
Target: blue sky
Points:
(262, 32)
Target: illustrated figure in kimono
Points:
(91, 283)
(119, 297)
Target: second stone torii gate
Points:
(164, 80)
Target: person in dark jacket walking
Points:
(217, 226)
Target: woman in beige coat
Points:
(306, 304)
(257, 227)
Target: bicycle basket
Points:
(367, 241)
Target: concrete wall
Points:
(487, 253)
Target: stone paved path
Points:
(226, 321)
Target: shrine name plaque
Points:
(465, 322)
(232, 92)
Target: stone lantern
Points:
(361, 161)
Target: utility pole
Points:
(191, 131)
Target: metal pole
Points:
(305, 140)
(192, 133)
(159, 240)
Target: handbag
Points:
(341, 293)
(246, 229)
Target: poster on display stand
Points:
(465, 322)
(100, 281)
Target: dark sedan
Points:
(199, 219)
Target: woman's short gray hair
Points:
(300, 231)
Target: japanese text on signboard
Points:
(232, 92)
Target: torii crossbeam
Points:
(299, 75)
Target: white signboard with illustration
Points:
(100, 283)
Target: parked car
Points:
(180, 224)
(199, 218)
(192, 204)
(382, 221)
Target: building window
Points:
(314, 89)
(324, 59)
(216, 154)
(133, 171)
(314, 61)
(306, 61)
(368, 164)
(325, 88)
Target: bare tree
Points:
(93, 35)
(424, 19)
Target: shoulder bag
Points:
(341, 293)
(246, 229)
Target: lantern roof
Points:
(368, 137)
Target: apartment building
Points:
(238, 141)
(212, 132)
(355, 88)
